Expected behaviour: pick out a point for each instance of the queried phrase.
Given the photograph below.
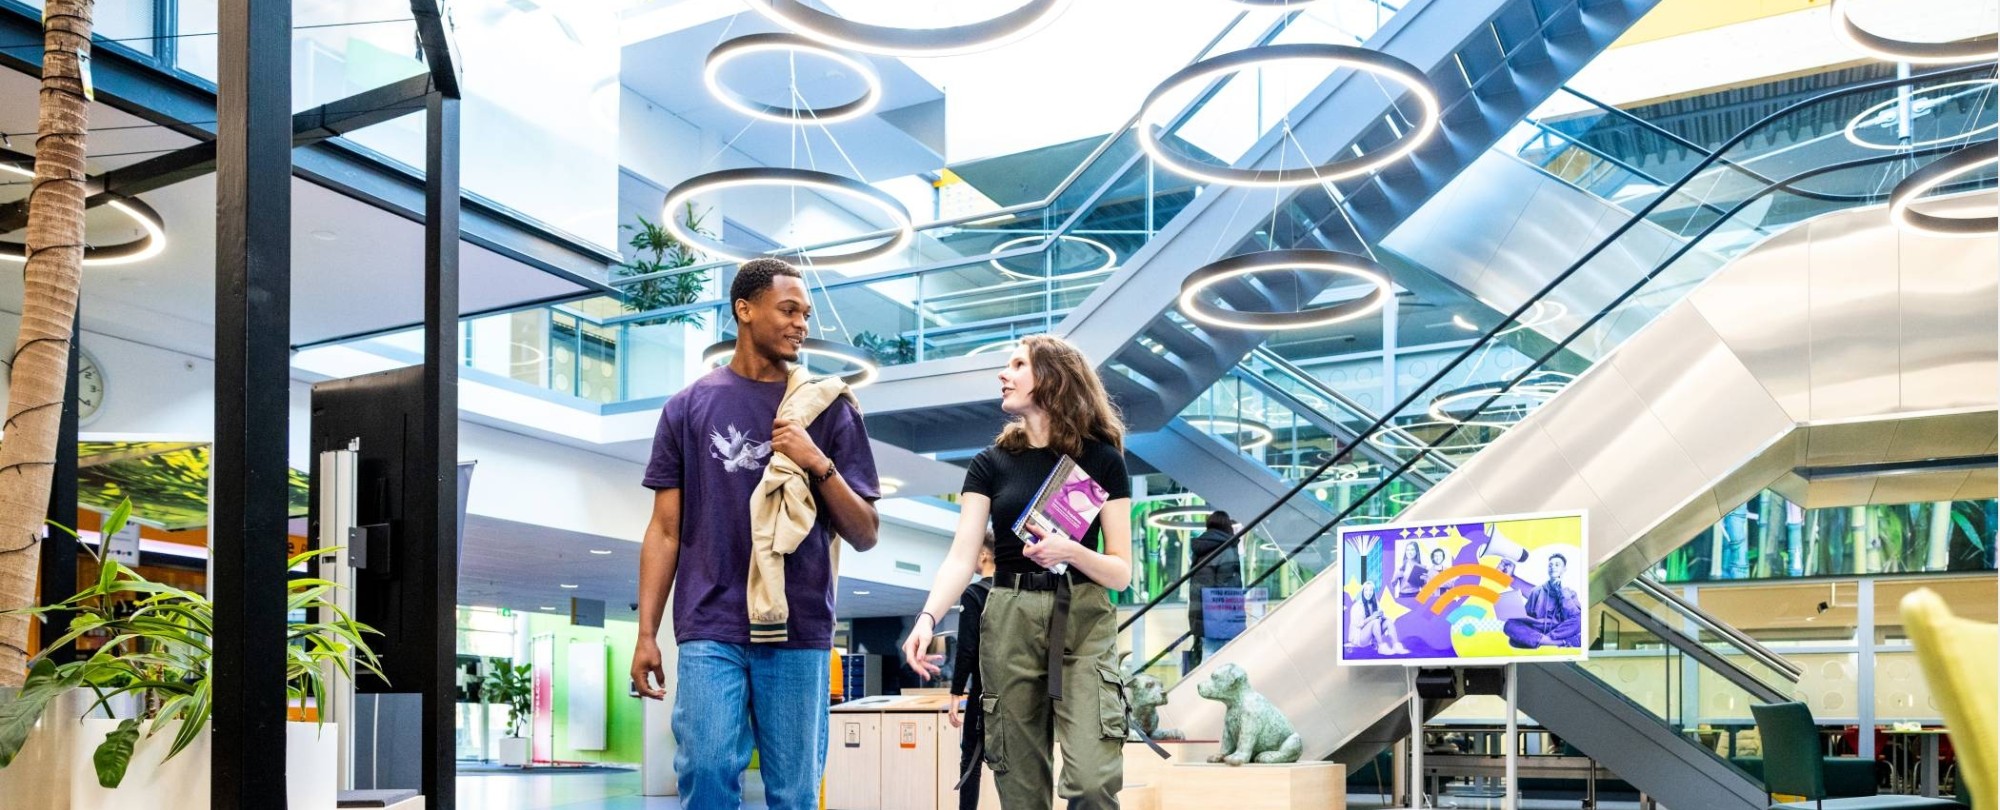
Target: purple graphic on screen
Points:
(1459, 592)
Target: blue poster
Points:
(1226, 612)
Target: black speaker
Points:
(1486, 681)
(1437, 684)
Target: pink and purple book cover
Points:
(1068, 503)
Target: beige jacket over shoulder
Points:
(782, 509)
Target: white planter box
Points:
(54, 769)
(514, 751)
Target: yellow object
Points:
(1958, 658)
(946, 177)
(1673, 18)
(782, 510)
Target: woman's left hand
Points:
(1047, 552)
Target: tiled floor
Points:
(620, 791)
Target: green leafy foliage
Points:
(513, 686)
(887, 350)
(158, 650)
(658, 251)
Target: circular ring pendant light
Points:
(771, 176)
(865, 367)
(1320, 261)
(1931, 176)
(1180, 518)
(1251, 435)
(888, 40)
(1897, 50)
(1110, 257)
(1383, 65)
(1536, 388)
(1854, 126)
(745, 46)
(1392, 440)
(152, 240)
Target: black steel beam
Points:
(58, 565)
(437, 464)
(143, 90)
(309, 127)
(251, 490)
(434, 33)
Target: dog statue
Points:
(1253, 730)
(1147, 695)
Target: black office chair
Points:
(1792, 765)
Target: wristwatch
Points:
(822, 477)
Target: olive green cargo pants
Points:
(1088, 723)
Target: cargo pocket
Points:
(1111, 708)
(993, 742)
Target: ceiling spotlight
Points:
(789, 43)
(602, 552)
(865, 367)
(1152, 115)
(1896, 50)
(1110, 257)
(546, 607)
(566, 586)
(797, 16)
(890, 485)
(1930, 177)
(772, 176)
(860, 593)
(1321, 261)
(152, 243)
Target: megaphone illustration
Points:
(1507, 550)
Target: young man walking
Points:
(755, 469)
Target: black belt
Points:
(1058, 618)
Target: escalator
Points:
(1489, 61)
(1788, 367)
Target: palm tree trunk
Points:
(41, 352)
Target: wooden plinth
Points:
(1299, 786)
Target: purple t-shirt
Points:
(713, 442)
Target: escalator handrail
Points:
(1514, 316)
(1305, 410)
(1736, 638)
(1784, 185)
(1607, 157)
(1693, 648)
(1319, 387)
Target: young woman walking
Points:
(1048, 641)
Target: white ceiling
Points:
(355, 267)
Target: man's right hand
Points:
(916, 644)
(645, 663)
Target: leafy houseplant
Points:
(657, 252)
(158, 650)
(511, 686)
(889, 351)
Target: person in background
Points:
(965, 678)
(1225, 571)
(714, 441)
(1048, 661)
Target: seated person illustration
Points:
(1555, 615)
(1367, 626)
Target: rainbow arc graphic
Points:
(1458, 598)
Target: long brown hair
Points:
(1068, 390)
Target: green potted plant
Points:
(887, 350)
(156, 667)
(512, 686)
(657, 251)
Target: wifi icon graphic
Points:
(1458, 598)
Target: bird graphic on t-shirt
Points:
(737, 452)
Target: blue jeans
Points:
(731, 695)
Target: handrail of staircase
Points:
(1514, 316)
(1320, 387)
(1736, 638)
(1693, 648)
(1277, 26)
